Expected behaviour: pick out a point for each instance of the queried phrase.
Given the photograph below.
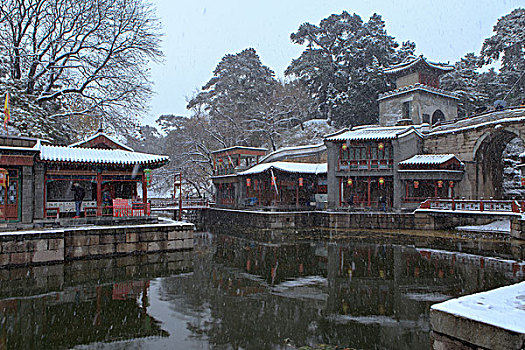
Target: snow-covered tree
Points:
(464, 80)
(75, 57)
(240, 84)
(342, 65)
(508, 43)
(287, 106)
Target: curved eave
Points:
(154, 164)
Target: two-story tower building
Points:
(417, 96)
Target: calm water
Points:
(231, 293)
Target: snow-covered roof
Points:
(96, 155)
(429, 159)
(16, 148)
(289, 167)
(494, 118)
(411, 61)
(293, 151)
(101, 133)
(240, 148)
(373, 133)
(417, 86)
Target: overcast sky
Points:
(198, 33)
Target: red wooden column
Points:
(99, 193)
(369, 199)
(144, 190)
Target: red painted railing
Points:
(119, 209)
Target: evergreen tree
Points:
(464, 80)
(234, 95)
(342, 65)
(508, 43)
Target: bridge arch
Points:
(488, 156)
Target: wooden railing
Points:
(366, 164)
(479, 205)
(192, 203)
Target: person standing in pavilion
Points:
(78, 196)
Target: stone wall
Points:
(421, 102)
(34, 248)
(31, 247)
(265, 225)
(94, 242)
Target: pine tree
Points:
(240, 85)
(342, 65)
(508, 43)
(464, 80)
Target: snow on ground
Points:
(503, 307)
(499, 226)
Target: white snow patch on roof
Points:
(101, 134)
(412, 61)
(289, 167)
(96, 155)
(417, 86)
(503, 307)
(373, 133)
(428, 159)
(489, 119)
(296, 150)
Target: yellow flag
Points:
(7, 115)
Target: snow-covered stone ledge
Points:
(85, 242)
(488, 320)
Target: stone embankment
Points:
(49, 246)
(257, 224)
(488, 320)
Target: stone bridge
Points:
(479, 142)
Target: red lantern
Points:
(381, 146)
(440, 183)
(523, 181)
(416, 184)
(4, 178)
(381, 181)
(248, 182)
(349, 182)
(300, 182)
(219, 160)
(344, 147)
(451, 184)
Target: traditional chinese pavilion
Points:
(289, 185)
(227, 163)
(40, 177)
(430, 176)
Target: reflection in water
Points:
(236, 293)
